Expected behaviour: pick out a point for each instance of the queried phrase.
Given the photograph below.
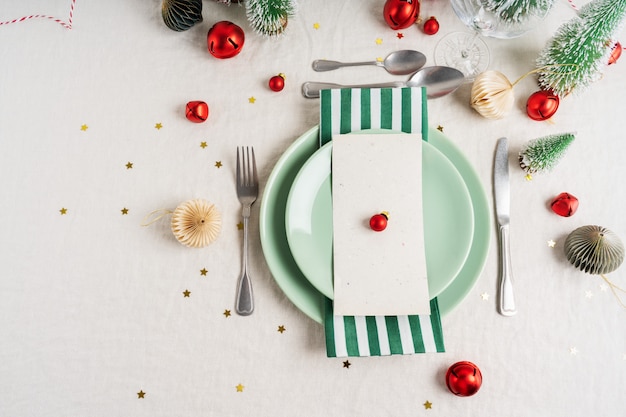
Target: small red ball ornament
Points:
(277, 82)
(378, 222)
(197, 111)
(400, 14)
(542, 105)
(225, 39)
(431, 26)
(616, 52)
(464, 379)
(564, 204)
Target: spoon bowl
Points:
(401, 62)
(438, 80)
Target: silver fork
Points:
(247, 192)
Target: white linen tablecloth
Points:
(100, 316)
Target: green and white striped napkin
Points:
(399, 109)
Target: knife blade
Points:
(502, 196)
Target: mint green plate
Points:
(276, 249)
(447, 216)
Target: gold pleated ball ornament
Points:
(492, 95)
(594, 249)
(196, 223)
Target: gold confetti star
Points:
(251, 100)
(203, 145)
(158, 126)
(203, 272)
(63, 211)
(400, 35)
(440, 128)
(239, 388)
(186, 293)
(240, 226)
(379, 41)
(380, 59)
(141, 394)
(428, 405)
(484, 296)
(84, 128)
(218, 164)
(226, 313)
(573, 351)
(551, 243)
(281, 329)
(129, 165)
(124, 211)
(528, 177)
(316, 26)
(346, 364)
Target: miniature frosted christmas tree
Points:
(541, 155)
(580, 49)
(269, 17)
(516, 11)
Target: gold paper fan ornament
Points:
(492, 94)
(196, 223)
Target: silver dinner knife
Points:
(502, 194)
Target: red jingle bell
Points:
(542, 105)
(225, 39)
(616, 52)
(464, 379)
(277, 82)
(431, 26)
(564, 205)
(400, 14)
(378, 222)
(197, 111)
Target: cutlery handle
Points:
(244, 303)
(312, 89)
(322, 65)
(506, 298)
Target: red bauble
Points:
(225, 39)
(431, 26)
(277, 82)
(378, 222)
(197, 111)
(400, 14)
(542, 105)
(564, 204)
(464, 379)
(616, 52)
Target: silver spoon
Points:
(402, 62)
(438, 81)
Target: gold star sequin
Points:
(186, 293)
(129, 165)
(440, 128)
(226, 313)
(551, 243)
(203, 272)
(240, 226)
(63, 211)
(239, 388)
(484, 296)
(158, 126)
(346, 364)
(380, 59)
(218, 164)
(84, 128)
(141, 394)
(428, 405)
(379, 41)
(281, 329)
(528, 177)
(124, 211)
(203, 145)
(316, 25)
(251, 100)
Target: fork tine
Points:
(238, 169)
(247, 165)
(255, 177)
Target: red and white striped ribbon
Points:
(67, 25)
